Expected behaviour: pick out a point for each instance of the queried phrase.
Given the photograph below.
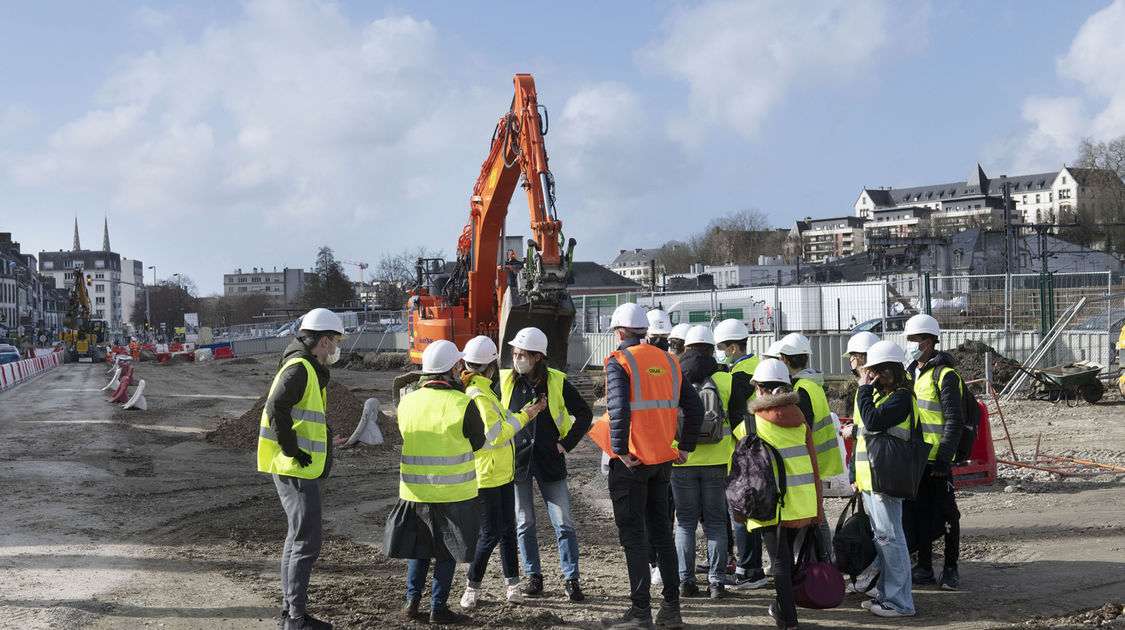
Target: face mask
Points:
(522, 366)
(334, 357)
(676, 347)
(913, 350)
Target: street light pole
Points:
(153, 267)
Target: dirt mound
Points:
(374, 361)
(970, 363)
(344, 412)
(241, 361)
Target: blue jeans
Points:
(700, 493)
(416, 580)
(893, 587)
(749, 546)
(557, 496)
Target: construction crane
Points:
(362, 266)
(476, 295)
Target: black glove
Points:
(941, 469)
(303, 458)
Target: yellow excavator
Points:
(81, 335)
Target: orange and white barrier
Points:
(13, 373)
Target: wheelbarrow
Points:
(1069, 382)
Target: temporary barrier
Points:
(13, 373)
(224, 352)
(980, 469)
(138, 400)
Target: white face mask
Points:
(913, 351)
(523, 366)
(334, 357)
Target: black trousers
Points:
(497, 527)
(640, 510)
(935, 511)
(779, 541)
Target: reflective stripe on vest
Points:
(862, 464)
(800, 480)
(437, 463)
(495, 461)
(720, 452)
(308, 424)
(823, 430)
(556, 403)
(929, 407)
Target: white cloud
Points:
(16, 118)
(1054, 124)
(742, 58)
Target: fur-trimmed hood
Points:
(779, 409)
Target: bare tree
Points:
(1104, 201)
(395, 274)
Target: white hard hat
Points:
(320, 319)
(771, 371)
(795, 343)
(440, 356)
(699, 334)
(629, 315)
(658, 322)
(530, 339)
(885, 352)
(922, 324)
(861, 341)
(774, 351)
(679, 331)
(731, 330)
(480, 350)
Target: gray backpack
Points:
(714, 415)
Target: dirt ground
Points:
(119, 519)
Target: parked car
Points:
(896, 323)
(1102, 323)
(8, 354)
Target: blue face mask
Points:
(913, 350)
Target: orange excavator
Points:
(481, 293)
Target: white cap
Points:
(795, 343)
(480, 350)
(440, 356)
(771, 371)
(679, 331)
(861, 341)
(629, 315)
(922, 324)
(699, 334)
(885, 352)
(321, 319)
(530, 339)
(731, 330)
(658, 322)
(774, 351)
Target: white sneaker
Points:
(514, 595)
(883, 610)
(868, 603)
(469, 599)
(656, 578)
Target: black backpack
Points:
(970, 411)
(714, 415)
(751, 487)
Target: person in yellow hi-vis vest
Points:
(437, 516)
(495, 470)
(295, 446)
(886, 405)
(779, 422)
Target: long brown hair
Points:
(897, 375)
(538, 375)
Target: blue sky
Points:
(217, 135)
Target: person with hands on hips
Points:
(295, 446)
(645, 391)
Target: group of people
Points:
(678, 402)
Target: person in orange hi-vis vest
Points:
(645, 391)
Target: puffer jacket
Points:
(617, 392)
(781, 409)
(949, 394)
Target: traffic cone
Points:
(138, 400)
(114, 382)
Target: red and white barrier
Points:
(13, 373)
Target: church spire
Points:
(105, 236)
(77, 244)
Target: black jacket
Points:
(617, 393)
(290, 390)
(898, 407)
(741, 391)
(949, 394)
(536, 450)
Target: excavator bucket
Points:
(553, 318)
